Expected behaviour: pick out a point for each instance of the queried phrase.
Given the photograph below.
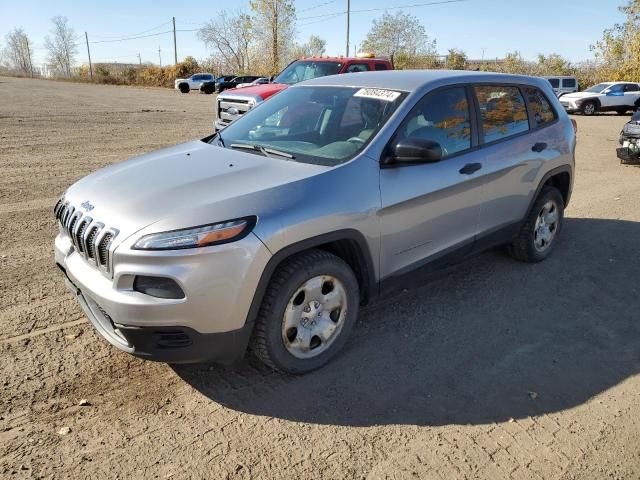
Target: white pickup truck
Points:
(194, 82)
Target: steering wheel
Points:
(357, 140)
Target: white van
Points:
(562, 85)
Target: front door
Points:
(432, 209)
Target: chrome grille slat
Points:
(90, 238)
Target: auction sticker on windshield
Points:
(378, 94)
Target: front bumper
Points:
(570, 107)
(209, 324)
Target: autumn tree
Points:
(619, 49)
(314, 47)
(400, 32)
(553, 64)
(456, 59)
(18, 51)
(274, 23)
(61, 47)
(229, 35)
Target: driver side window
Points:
(442, 117)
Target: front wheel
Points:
(538, 235)
(183, 87)
(307, 313)
(589, 108)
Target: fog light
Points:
(160, 287)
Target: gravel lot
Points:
(496, 370)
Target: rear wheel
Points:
(183, 87)
(307, 313)
(539, 233)
(589, 108)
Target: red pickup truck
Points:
(235, 102)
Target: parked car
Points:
(619, 97)
(629, 151)
(194, 82)
(563, 84)
(233, 104)
(276, 230)
(234, 82)
(258, 81)
(210, 87)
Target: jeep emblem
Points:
(87, 206)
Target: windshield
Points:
(306, 70)
(598, 88)
(319, 125)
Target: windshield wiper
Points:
(220, 139)
(264, 150)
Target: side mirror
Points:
(416, 150)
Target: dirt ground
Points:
(497, 370)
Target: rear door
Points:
(432, 209)
(631, 94)
(515, 145)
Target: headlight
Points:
(195, 237)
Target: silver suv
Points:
(272, 233)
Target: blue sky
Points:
(489, 27)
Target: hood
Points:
(263, 91)
(577, 95)
(190, 184)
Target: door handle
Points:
(538, 147)
(470, 168)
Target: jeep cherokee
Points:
(272, 233)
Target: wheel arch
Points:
(559, 178)
(349, 245)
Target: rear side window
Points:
(381, 66)
(540, 107)
(357, 67)
(569, 83)
(502, 110)
(443, 117)
(555, 82)
(631, 87)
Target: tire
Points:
(530, 246)
(183, 87)
(291, 322)
(589, 108)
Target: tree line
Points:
(261, 41)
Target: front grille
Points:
(239, 105)
(91, 239)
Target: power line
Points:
(313, 7)
(133, 38)
(415, 5)
(108, 37)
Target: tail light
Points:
(575, 126)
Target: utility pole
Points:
(86, 37)
(139, 59)
(29, 55)
(175, 49)
(348, 23)
(159, 56)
